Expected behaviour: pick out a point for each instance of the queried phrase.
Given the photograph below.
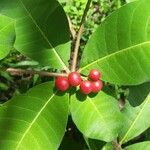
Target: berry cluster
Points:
(74, 79)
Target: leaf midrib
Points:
(107, 128)
(6, 26)
(132, 125)
(44, 36)
(112, 54)
(34, 120)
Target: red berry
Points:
(62, 83)
(86, 87)
(97, 86)
(94, 75)
(74, 79)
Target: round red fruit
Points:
(86, 87)
(97, 86)
(62, 83)
(74, 79)
(94, 75)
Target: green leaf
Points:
(137, 94)
(96, 117)
(136, 120)
(129, 1)
(110, 90)
(120, 46)
(42, 31)
(26, 63)
(35, 120)
(139, 146)
(108, 146)
(3, 86)
(147, 134)
(94, 144)
(7, 35)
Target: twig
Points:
(20, 72)
(72, 30)
(78, 36)
(116, 145)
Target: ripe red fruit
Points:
(74, 79)
(62, 83)
(86, 87)
(97, 86)
(94, 75)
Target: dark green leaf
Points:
(94, 144)
(137, 94)
(42, 31)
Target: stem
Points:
(20, 72)
(76, 49)
(78, 36)
(116, 145)
(72, 30)
(122, 97)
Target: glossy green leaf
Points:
(35, 120)
(120, 48)
(136, 120)
(42, 31)
(139, 146)
(96, 117)
(7, 35)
